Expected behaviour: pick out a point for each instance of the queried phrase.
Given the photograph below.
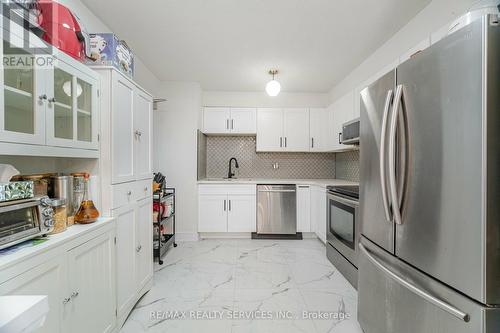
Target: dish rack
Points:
(163, 222)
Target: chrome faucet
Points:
(231, 173)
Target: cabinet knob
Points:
(146, 189)
(129, 193)
(66, 300)
(138, 249)
(52, 100)
(74, 294)
(42, 97)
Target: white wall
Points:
(434, 16)
(176, 125)
(143, 76)
(261, 99)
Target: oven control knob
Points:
(49, 223)
(48, 212)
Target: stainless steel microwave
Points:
(21, 220)
(350, 132)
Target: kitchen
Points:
(252, 178)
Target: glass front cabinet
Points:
(47, 105)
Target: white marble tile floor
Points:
(247, 286)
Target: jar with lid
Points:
(60, 215)
(40, 182)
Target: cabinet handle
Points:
(229, 205)
(74, 294)
(232, 123)
(312, 142)
(42, 97)
(285, 142)
(138, 249)
(227, 123)
(224, 205)
(281, 142)
(66, 300)
(340, 138)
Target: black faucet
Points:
(231, 173)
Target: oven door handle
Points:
(343, 200)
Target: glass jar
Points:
(60, 215)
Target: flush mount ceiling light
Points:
(273, 87)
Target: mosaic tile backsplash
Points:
(219, 149)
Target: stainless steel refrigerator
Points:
(430, 190)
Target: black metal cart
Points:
(164, 227)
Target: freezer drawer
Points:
(395, 298)
(276, 209)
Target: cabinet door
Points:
(122, 130)
(22, 97)
(212, 214)
(71, 109)
(270, 130)
(303, 208)
(343, 111)
(296, 129)
(318, 211)
(92, 281)
(125, 256)
(143, 124)
(48, 279)
(216, 120)
(144, 242)
(318, 121)
(243, 120)
(242, 213)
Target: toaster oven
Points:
(21, 220)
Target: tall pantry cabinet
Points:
(126, 183)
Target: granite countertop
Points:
(318, 182)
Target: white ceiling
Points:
(230, 45)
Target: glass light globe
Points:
(273, 88)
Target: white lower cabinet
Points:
(79, 283)
(318, 212)
(134, 259)
(303, 208)
(229, 208)
(91, 280)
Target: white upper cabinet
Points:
(224, 120)
(270, 130)
(340, 112)
(283, 130)
(296, 130)
(50, 106)
(122, 129)
(243, 120)
(318, 129)
(216, 120)
(143, 130)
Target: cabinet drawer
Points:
(230, 189)
(143, 189)
(124, 194)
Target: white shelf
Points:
(88, 113)
(17, 149)
(18, 91)
(64, 106)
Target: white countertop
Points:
(22, 251)
(22, 313)
(318, 182)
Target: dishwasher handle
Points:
(277, 191)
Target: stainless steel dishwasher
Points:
(277, 212)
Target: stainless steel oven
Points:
(21, 220)
(343, 230)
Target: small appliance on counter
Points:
(343, 230)
(21, 220)
(350, 133)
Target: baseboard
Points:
(225, 235)
(309, 235)
(186, 236)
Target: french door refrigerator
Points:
(430, 190)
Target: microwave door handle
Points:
(382, 157)
(396, 210)
(415, 289)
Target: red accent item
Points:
(62, 29)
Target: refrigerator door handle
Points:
(396, 209)
(416, 290)
(382, 157)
